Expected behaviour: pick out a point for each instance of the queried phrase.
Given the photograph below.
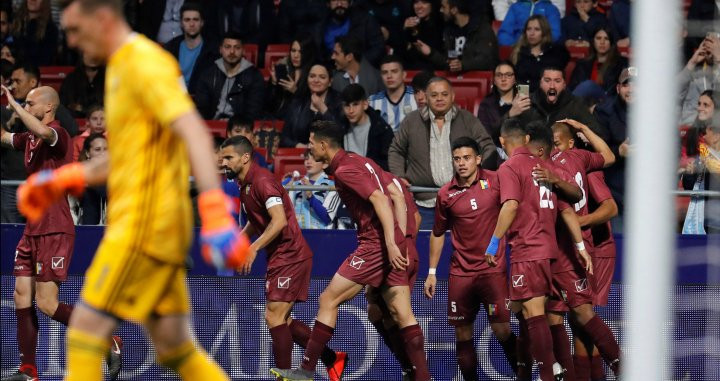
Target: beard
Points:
(340, 13)
(230, 174)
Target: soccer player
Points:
(271, 214)
(380, 259)
(155, 137)
(44, 252)
(572, 287)
(528, 213)
(469, 206)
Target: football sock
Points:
(414, 345)
(467, 359)
(597, 369)
(604, 340)
(400, 352)
(85, 353)
(27, 333)
(319, 338)
(192, 363)
(541, 345)
(509, 347)
(582, 368)
(62, 313)
(282, 346)
(301, 335)
(524, 361)
(561, 347)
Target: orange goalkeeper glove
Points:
(44, 188)
(223, 244)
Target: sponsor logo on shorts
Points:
(19, 267)
(450, 317)
(284, 282)
(518, 280)
(356, 262)
(581, 285)
(58, 262)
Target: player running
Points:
(469, 206)
(380, 259)
(271, 214)
(155, 135)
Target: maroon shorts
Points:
(413, 264)
(370, 266)
(467, 293)
(289, 283)
(603, 271)
(569, 290)
(45, 257)
(530, 279)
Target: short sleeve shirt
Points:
(41, 155)
(259, 191)
(603, 241)
(471, 214)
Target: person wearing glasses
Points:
(501, 100)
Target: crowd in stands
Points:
(392, 72)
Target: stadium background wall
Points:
(228, 318)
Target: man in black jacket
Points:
(366, 132)
(193, 52)
(231, 86)
(344, 20)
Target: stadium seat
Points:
(578, 52)
(472, 84)
(290, 152)
(53, 76)
(496, 26)
(250, 52)
(262, 151)
(275, 52)
(568, 70)
(265, 73)
(81, 123)
(626, 52)
(277, 124)
(285, 164)
(505, 52)
(217, 127)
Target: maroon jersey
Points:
(356, 178)
(577, 163)
(532, 234)
(40, 155)
(260, 191)
(411, 209)
(471, 214)
(603, 241)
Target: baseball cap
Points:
(627, 74)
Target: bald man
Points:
(43, 254)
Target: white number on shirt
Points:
(579, 205)
(453, 307)
(370, 168)
(473, 204)
(545, 196)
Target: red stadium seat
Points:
(290, 152)
(262, 151)
(626, 52)
(82, 124)
(578, 52)
(496, 26)
(265, 73)
(275, 52)
(472, 84)
(217, 127)
(250, 52)
(568, 70)
(505, 52)
(53, 76)
(277, 124)
(285, 164)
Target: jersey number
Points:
(545, 196)
(580, 204)
(453, 307)
(473, 204)
(370, 168)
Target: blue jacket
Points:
(512, 26)
(620, 19)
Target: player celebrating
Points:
(469, 206)
(528, 217)
(155, 136)
(380, 259)
(271, 214)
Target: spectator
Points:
(701, 73)
(170, 27)
(194, 53)
(239, 126)
(598, 73)
(696, 133)
(515, 23)
(343, 20)
(397, 100)
(6, 69)
(420, 152)
(95, 124)
(320, 103)
(296, 17)
(352, 68)
(93, 204)
(419, 84)
(703, 174)
(421, 35)
(390, 16)
(9, 53)
(366, 133)
(231, 86)
(34, 30)
(619, 19)
(296, 65)
(496, 105)
(580, 24)
(83, 87)
(534, 51)
(612, 115)
(501, 7)
(470, 44)
(5, 36)
(314, 209)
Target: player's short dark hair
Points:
(241, 144)
(420, 80)
(328, 131)
(437, 80)
(191, 6)
(245, 124)
(391, 58)
(552, 68)
(350, 45)
(563, 128)
(31, 70)
(232, 36)
(511, 127)
(461, 5)
(93, 108)
(540, 134)
(353, 93)
(91, 5)
(465, 141)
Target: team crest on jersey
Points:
(518, 281)
(581, 285)
(484, 184)
(356, 262)
(247, 189)
(283, 282)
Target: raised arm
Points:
(35, 126)
(598, 144)
(604, 212)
